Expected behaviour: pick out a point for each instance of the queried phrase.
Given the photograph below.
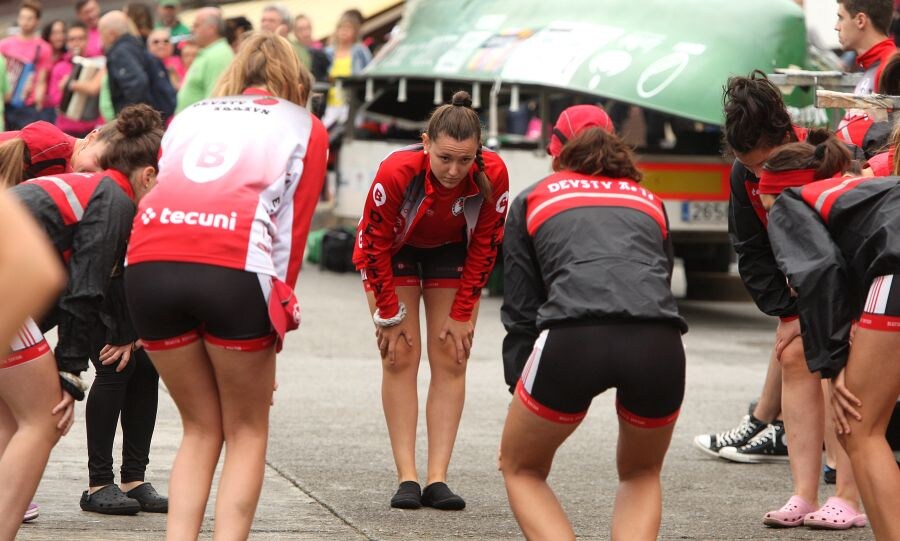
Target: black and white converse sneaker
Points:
(770, 445)
(736, 437)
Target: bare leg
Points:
(804, 421)
(638, 508)
(831, 440)
(245, 381)
(447, 389)
(29, 392)
(769, 406)
(399, 395)
(873, 375)
(529, 443)
(188, 374)
(845, 487)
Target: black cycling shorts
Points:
(173, 304)
(571, 365)
(441, 266)
(882, 309)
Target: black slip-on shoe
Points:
(439, 496)
(408, 496)
(149, 499)
(109, 500)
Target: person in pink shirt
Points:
(88, 12)
(76, 40)
(28, 63)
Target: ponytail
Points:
(821, 152)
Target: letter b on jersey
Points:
(207, 160)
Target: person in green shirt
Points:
(167, 16)
(214, 56)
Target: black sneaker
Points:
(829, 475)
(770, 445)
(439, 496)
(736, 437)
(408, 496)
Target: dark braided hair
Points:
(458, 120)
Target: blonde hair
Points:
(267, 60)
(12, 156)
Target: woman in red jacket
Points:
(212, 263)
(431, 226)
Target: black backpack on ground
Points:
(337, 250)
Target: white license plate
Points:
(705, 212)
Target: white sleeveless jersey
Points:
(238, 182)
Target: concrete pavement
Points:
(331, 475)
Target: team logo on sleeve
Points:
(502, 202)
(457, 207)
(378, 195)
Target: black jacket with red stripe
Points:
(747, 228)
(832, 238)
(583, 248)
(88, 219)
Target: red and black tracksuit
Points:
(833, 238)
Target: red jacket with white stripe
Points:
(583, 248)
(87, 217)
(238, 184)
(832, 238)
(401, 195)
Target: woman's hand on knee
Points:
(462, 333)
(65, 408)
(843, 404)
(389, 337)
(786, 332)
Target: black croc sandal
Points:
(149, 499)
(408, 496)
(109, 500)
(439, 496)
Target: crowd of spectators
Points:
(80, 73)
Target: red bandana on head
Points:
(774, 182)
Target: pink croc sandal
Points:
(790, 515)
(835, 515)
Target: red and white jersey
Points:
(238, 183)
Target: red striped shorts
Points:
(27, 345)
(882, 309)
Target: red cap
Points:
(49, 148)
(774, 182)
(573, 121)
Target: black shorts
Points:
(571, 365)
(427, 267)
(173, 304)
(882, 309)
